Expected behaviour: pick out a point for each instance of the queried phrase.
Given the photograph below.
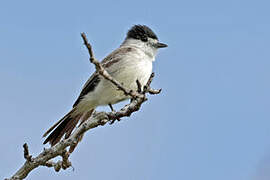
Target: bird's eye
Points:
(144, 39)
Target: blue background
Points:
(210, 122)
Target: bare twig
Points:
(154, 91)
(148, 89)
(26, 154)
(64, 164)
(97, 119)
(139, 86)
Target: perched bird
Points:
(130, 62)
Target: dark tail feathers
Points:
(63, 126)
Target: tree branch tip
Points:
(73, 169)
(139, 86)
(83, 35)
(154, 91)
(26, 154)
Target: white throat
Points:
(143, 46)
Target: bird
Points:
(130, 62)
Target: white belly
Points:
(106, 93)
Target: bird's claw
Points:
(116, 118)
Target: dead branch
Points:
(97, 119)
(26, 154)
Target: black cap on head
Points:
(141, 32)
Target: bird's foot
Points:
(116, 118)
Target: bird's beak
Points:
(161, 45)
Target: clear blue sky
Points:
(211, 122)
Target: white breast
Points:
(136, 66)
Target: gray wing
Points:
(107, 62)
(116, 55)
(89, 86)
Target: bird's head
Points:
(143, 37)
